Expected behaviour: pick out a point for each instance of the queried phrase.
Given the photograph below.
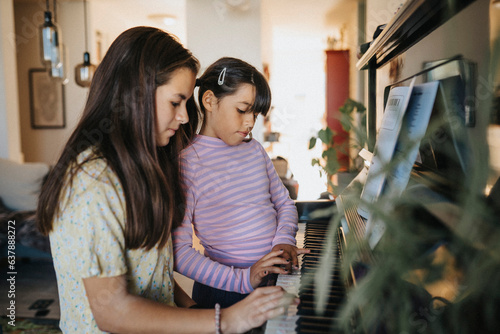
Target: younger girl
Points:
(240, 210)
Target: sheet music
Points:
(413, 129)
(412, 132)
(384, 149)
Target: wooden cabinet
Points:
(337, 92)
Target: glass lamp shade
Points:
(84, 72)
(48, 40)
(57, 69)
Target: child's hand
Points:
(266, 265)
(290, 253)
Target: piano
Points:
(312, 234)
(346, 227)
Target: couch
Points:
(20, 186)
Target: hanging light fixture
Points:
(52, 50)
(48, 38)
(58, 68)
(84, 72)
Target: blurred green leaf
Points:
(326, 135)
(346, 121)
(312, 142)
(329, 164)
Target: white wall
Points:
(10, 140)
(215, 30)
(294, 39)
(112, 17)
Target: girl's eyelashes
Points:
(175, 104)
(255, 114)
(247, 112)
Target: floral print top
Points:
(88, 240)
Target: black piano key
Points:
(315, 324)
(309, 321)
(330, 310)
(308, 299)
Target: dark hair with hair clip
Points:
(225, 76)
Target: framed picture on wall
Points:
(46, 101)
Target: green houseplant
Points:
(353, 120)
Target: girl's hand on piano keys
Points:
(253, 311)
(290, 253)
(269, 263)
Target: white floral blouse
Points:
(88, 240)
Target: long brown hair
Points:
(118, 122)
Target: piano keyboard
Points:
(291, 283)
(302, 318)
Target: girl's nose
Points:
(182, 115)
(249, 120)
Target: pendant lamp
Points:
(58, 68)
(85, 72)
(52, 50)
(48, 38)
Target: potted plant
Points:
(353, 121)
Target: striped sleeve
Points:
(191, 263)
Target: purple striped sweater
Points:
(239, 209)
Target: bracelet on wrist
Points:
(217, 319)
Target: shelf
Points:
(415, 20)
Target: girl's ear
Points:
(209, 100)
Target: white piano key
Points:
(285, 324)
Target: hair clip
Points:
(222, 76)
